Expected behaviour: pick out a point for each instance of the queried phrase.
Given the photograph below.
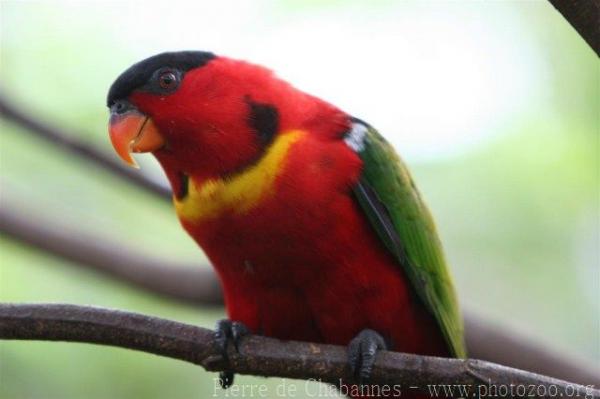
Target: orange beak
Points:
(133, 132)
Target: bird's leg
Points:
(227, 332)
(361, 353)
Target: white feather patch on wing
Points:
(355, 138)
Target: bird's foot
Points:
(361, 353)
(227, 332)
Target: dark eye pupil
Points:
(167, 80)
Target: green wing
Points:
(388, 196)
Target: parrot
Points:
(310, 218)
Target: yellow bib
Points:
(241, 192)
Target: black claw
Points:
(238, 331)
(222, 335)
(226, 379)
(361, 353)
(227, 332)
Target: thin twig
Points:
(584, 16)
(265, 356)
(77, 147)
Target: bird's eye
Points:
(167, 80)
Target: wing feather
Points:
(393, 205)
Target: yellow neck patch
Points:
(241, 192)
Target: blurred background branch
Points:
(260, 356)
(584, 16)
(65, 140)
(184, 282)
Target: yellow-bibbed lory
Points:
(311, 220)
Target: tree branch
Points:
(189, 283)
(489, 341)
(198, 285)
(584, 16)
(260, 355)
(70, 143)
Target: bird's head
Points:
(152, 100)
(202, 114)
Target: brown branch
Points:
(188, 283)
(70, 143)
(584, 16)
(489, 341)
(260, 355)
(199, 286)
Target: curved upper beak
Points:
(132, 131)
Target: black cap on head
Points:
(138, 74)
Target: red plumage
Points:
(304, 264)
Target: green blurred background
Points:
(494, 105)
